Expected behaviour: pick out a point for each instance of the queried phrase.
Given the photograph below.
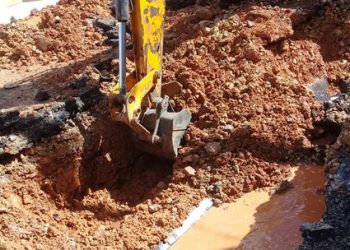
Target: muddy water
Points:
(260, 221)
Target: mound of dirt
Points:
(248, 96)
(55, 34)
(244, 73)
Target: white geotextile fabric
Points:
(193, 217)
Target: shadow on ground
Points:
(99, 154)
(21, 93)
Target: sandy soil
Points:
(244, 73)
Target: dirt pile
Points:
(55, 34)
(252, 118)
(245, 79)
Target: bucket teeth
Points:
(171, 129)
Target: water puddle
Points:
(260, 221)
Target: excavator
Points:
(136, 100)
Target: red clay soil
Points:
(55, 34)
(244, 73)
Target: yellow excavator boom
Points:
(136, 99)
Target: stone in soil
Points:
(106, 24)
(80, 82)
(232, 74)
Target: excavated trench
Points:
(88, 153)
(80, 152)
(71, 177)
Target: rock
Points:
(236, 168)
(12, 145)
(42, 96)
(107, 156)
(105, 24)
(74, 105)
(250, 23)
(213, 148)
(91, 97)
(13, 20)
(106, 77)
(160, 222)
(4, 206)
(39, 247)
(206, 30)
(4, 179)
(284, 45)
(284, 186)
(171, 88)
(42, 43)
(112, 34)
(27, 199)
(11, 85)
(218, 186)
(229, 127)
(57, 19)
(142, 207)
(12, 137)
(153, 208)
(80, 83)
(34, 11)
(252, 54)
(217, 202)
(210, 188)
(316, 231)
(71, 224)
(51, 231)
(190, 171)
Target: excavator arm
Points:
(136, 99)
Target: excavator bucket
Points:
(157, 130)
(170, 128)
(137, 99)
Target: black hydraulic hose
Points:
(122, 15)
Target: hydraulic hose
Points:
(122, 15)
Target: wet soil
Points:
(258, 220)
(331, 231)
(244, 73)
